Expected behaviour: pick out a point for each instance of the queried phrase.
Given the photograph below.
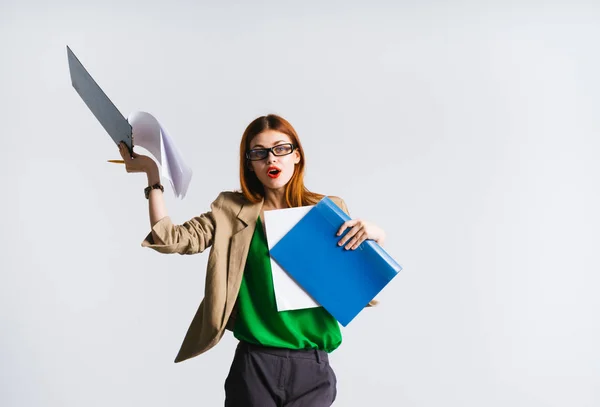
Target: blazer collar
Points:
(250, 211)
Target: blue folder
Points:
(342, 281)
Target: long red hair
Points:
(296, 193)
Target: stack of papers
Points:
(149, 134)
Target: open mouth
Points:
(273, 172)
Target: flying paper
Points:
(148, 133)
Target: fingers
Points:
(356, 241)
(130, 163)
(124, 151)
(348, 223)
(121, 150)
(355, 236)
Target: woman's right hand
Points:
(136, 162)
(142, 163)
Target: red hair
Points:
(296, 193)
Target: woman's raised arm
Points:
(193, 236)
(141, 163)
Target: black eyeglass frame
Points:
(271, 150)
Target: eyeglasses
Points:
(278, 150)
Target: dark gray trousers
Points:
(274, 377)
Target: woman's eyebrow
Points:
(277, 142)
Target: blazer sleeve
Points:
(193, 236)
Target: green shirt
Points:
(258, 320)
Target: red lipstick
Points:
(273, 171)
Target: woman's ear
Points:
(297, 157)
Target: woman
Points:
(282, 357)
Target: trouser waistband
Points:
(314, 354)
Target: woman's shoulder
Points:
(315, 197)
(232, 195)
(336, 200)
(230, 198)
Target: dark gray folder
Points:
(101, 106)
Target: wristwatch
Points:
(151, 187)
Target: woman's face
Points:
(274, 172)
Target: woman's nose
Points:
(271, 158)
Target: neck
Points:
(275, 199)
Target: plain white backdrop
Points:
(467, 130)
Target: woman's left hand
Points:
(360, 231)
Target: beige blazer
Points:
(227, 229)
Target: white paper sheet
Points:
(149, 134)
(288, 294)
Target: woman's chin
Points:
(275, 184)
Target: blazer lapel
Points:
(240, 243)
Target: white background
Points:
(467, 130)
